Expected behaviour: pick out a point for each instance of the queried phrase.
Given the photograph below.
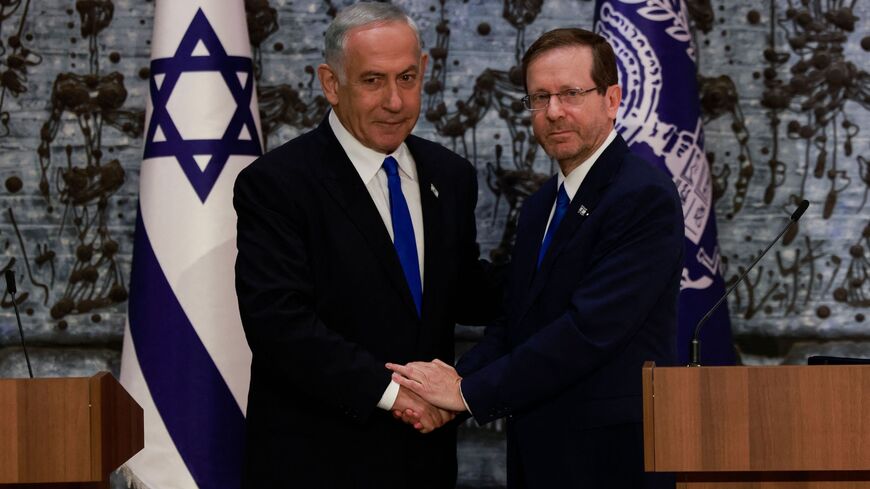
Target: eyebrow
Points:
(561, 88)
(412, 68)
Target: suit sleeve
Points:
(481, 283)
(275, 289)
(491, 347)
(640, 245)
(494, 343)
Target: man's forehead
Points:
(568, 65)
(370, 51)
(375, 33)
(564, 54)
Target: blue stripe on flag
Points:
(198, 409)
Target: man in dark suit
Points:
(356, 246)
(592, 293)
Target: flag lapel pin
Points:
(583, 211)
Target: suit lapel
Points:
(582, 205)
(433, 256)
(344, 184)
(528, 243)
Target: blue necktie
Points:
(562, 203)
(403, 232)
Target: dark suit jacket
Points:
(568, 357)
(324, 304)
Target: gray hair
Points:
(359, 15)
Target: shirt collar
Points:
(575, 178)
(365, 160)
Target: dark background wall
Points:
(784, 93)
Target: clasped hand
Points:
(429, 394)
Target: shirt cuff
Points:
(389, 397)
(463, 399)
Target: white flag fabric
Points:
(185, 358)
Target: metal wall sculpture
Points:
(785, 94)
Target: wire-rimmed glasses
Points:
(568, 96)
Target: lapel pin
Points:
(582, 211)
(433, 189)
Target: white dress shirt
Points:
(369, 165)
(573, 180)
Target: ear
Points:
(612, 98)
(328, 83)
(424, 60)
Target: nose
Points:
(554, 109)
(392, 101)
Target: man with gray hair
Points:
(356, 247)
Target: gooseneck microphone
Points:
(695, 345)
(10, 287)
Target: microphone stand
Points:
(695, 345)
(10, 287)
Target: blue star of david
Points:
(183, 150)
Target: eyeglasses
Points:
(569, 96)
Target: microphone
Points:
(799, 211)
(695, 345)
(10, 287)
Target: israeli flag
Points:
(660, 119)
(185, 358)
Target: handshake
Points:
(429, 394)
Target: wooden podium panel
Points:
(117, 427)
(66, 431)
(759, 427)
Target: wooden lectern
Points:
(782, 427)
(66, 432)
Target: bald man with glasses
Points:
(592, 292)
